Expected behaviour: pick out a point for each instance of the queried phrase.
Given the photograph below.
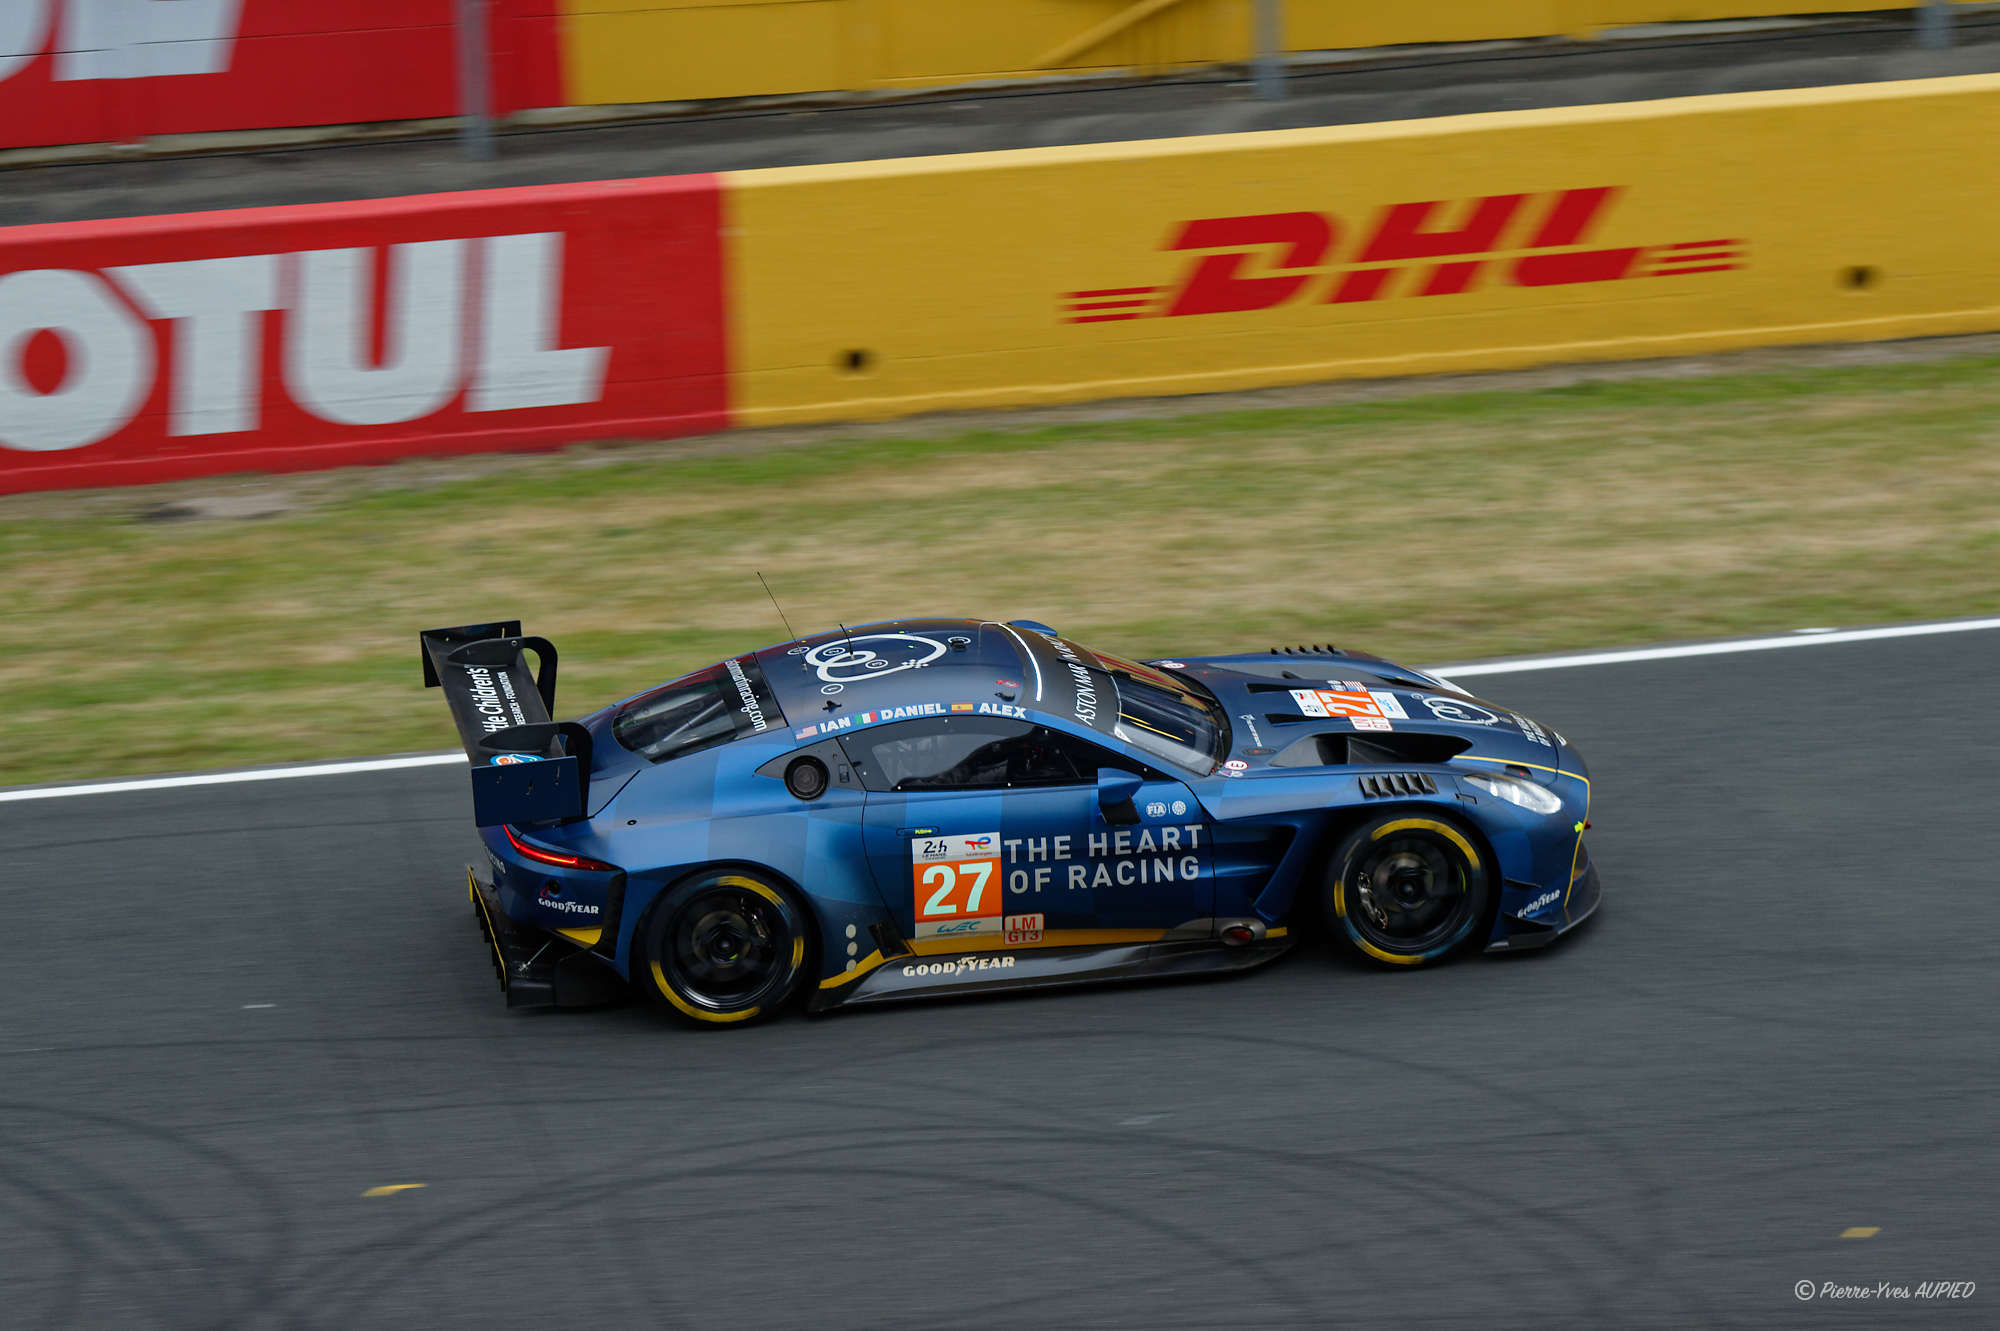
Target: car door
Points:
(989, 832)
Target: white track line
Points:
(231, 778)
(1799, 638)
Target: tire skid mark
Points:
(1648, 1194)
(431, 1243)
(474, 1228)
(138, 1222)
(47, 1213)
(1488, 1209)
(335, 1267)
(513, 1063)
(1639, 1259)
(1474, 1201)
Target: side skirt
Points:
(1046, 968)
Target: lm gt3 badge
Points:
(1023, 929)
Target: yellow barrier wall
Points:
(617, 51)
(1472, 242)
(1340, 25)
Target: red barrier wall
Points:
(92, 71)
(287, 339)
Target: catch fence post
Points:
(475, 82)
(1934, 25)
(1270, 61)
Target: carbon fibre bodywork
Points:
(1161, 861)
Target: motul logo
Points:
(477, 318)
(1431, 248)
(120, 39)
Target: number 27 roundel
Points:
(956, 880)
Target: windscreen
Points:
(1164, 716)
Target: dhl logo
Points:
(1523, 240)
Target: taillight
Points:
(543, 855)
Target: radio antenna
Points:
(775, 606)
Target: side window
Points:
(696, 711)
(676, 718)
(972, 753)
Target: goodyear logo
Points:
(1428, 248)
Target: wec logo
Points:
(1521, 240)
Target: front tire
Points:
(1407, 889)
(725, 948)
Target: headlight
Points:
(1515, 791)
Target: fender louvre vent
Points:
(1397, 783)
(1309, 649)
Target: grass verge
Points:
(1426, 528)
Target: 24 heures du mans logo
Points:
(1521, 240)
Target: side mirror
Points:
(1115, 792)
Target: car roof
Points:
(896, 663)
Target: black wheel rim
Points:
(728, 947)
(1409, 895)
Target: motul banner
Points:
(91, 71)
(292, 338)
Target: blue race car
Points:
(948, 806)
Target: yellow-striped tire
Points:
(724, 948)
(1407, 889)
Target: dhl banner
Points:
(155, 348)
(1473, 242)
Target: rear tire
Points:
(1407, 889)
(725, 948)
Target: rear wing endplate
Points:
(526, 767)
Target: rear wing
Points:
(526, 767)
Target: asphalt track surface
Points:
(236, 1009)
